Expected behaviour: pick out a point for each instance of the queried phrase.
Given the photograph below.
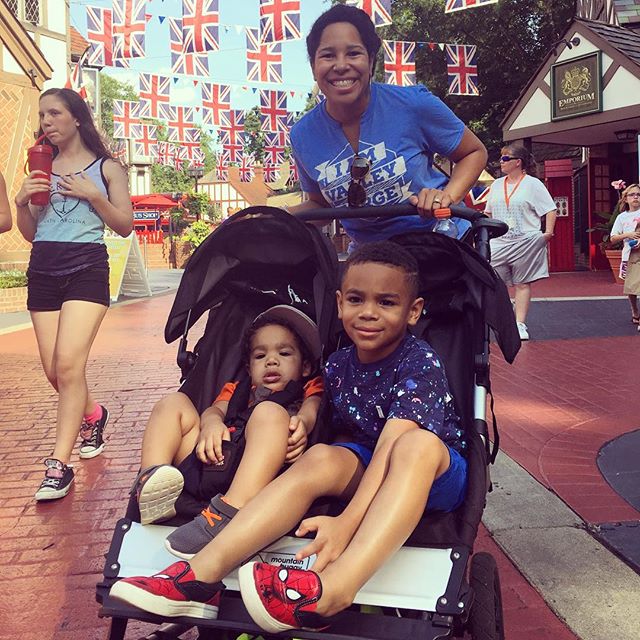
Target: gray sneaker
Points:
(157, 489)
(190, 538)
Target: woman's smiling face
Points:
(342, 67)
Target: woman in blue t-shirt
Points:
(370, 143)
(68, 276)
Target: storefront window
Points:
(32, 11)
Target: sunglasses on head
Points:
(507, 158)
(357, 194)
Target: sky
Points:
(227, 66)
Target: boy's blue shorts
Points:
(447, 492)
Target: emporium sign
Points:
(576, 87)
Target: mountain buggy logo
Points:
(386, 183)
(286, 560)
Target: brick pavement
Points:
(52, 554)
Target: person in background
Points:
(521, 200)
(68, 275)
(373, 144)
(5, 209)
(625, 228)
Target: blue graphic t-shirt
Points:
(400, 131)
(409, 384)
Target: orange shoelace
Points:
(211, 517)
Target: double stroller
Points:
(433, 587)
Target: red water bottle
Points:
(40, 158)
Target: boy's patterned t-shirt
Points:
(409, 384)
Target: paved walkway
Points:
(560, 402)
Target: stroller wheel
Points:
(486, 621)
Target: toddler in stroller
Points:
(456, 281)
(239, 443)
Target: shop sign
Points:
(576, 87)
(146, 215)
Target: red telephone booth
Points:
(558, 177)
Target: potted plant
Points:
(612, 251)
(13, 291)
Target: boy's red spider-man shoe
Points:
(278, 598)
(172, 592)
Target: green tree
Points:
(513, 38)
(254, 137)
(110, 90)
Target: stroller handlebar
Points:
(391, 211)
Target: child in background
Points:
(397, 450)
(632, 273)
(281, 350)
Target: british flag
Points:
(129, 22)
(100, 35)
(273, 150)
(234, 148)
(191, 139)
(399, 62)
(279, 20)
(165, 153)
(273, 110)
(200, 20)
(222, 166)
(459, 5)
(154, 92)
(477, 197)
(246, 167)
(180, 119)
(293, 171)
(216, 98)
(119, 150)
(232, 123)
(378, 10)
(264, 61)
(147, 144)
(195, 155)
(271, 172)
(462, 69)
(126, 119)
(190, 64)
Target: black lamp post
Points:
(196, 173)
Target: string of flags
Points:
(117, 38)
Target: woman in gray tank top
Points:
(68, 276)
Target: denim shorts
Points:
(447, 492)
(48, 293)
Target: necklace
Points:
(508, 196)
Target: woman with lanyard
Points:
(521, 200)
(68, 276)
(373, 144)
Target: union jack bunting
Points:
(273, 110)
(233, 148)
(222, 167)
(273, 150)
(165, 153)
(191, 138)
(458, 5)
(232, 123)
(271, 172)
(119, 149)
(154, 92)
(216, 98)
(128, 26)
(100, 35)
(246, 168)
(293, 171)
(190, 64)
(462, 69)
(74, 79)
(378, 10)
(200, 19)
(178, 120)
(279, 20)
(126, 120)
(264, 61)
(399, 62)
(179, 156)
(477, 197)
(195, 155)
(147, 144)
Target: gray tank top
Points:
(69, 219)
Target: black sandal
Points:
(635, 319)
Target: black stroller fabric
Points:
(258, 258)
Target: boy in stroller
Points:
(399, 447)
(252, 428)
